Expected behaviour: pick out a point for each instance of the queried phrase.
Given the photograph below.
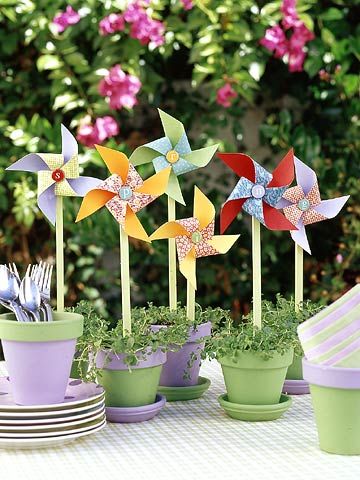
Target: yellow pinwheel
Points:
(124, 193)
(195, 237)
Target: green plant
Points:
(99, 335)
(177, 318)
(278, 334)
(284, 310)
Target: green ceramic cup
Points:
(251, 380)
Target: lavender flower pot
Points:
(127, 387)
(182, 367)
(39, 355)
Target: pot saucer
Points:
(135, 414)
(296, 387)
(191, 392)
(255, 413)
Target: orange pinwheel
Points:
(195, 236)
(124, 193)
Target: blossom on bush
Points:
(276, 40)
(112, 23)
(142, 26)
(290, 16)
(104, 128)
(64, 19)
(225, 94)
(120, 88)
(187, 4)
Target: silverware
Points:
(9, 292)
(29, 296)
(41, 274)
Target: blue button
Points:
(125, 193)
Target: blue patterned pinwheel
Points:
(173, 150)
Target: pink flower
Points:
(147, 30)
(120, 88)
(104, 128)
(111, 24)
(290, 15)
(275, 40)
(278, 42)
(339, 258)
(225, 94)
(64, 19)
(187, 4)
(143, 27)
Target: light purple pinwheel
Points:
(58, 174)
(302, 204)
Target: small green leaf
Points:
(48, 62)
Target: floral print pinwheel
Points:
(124, 193)
(173, 150)
(258, 191)
(58, 174)
(195, 236)
(303, 206)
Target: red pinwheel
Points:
(258, 191)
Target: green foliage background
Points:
(46, 79)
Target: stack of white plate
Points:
(36, 426)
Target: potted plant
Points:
(129, 366)
(254, 362)
(39, 355)
(93, 323)
(180, 375)
(294, 382)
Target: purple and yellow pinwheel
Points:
(173, 150)
(58, 174)
(303, 206)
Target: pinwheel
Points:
(124, 194)
(303, 206)
(173, 150)
(195, 238)
(257, 193)
(58, 177)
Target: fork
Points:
(41, 274)
(13, 269)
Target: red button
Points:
(58, 175)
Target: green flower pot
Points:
(295, 371)
(335, 394)
(251, 380)
(130, 388)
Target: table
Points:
(190, 440)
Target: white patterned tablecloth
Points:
(190, 440)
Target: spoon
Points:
(9, 292)
(29, 297)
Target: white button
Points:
(258, 191)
